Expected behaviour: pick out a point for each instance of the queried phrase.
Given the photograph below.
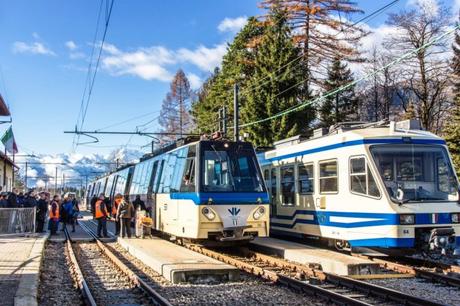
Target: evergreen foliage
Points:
(342, 106)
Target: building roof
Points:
(4, 111)
(5, 158)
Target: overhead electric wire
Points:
(346, 86)
(127, 120)
(88, 73)
(365, 18)
(91, 86)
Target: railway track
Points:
(330, 287)
(103, 279)
(430, 270)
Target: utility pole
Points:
(55, 182)
(63, 182)
(25, 179)
(236, 112)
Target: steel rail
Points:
(416, 271)
(367, 289)
(82, 285)
(152, 293)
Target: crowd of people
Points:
(66, 210)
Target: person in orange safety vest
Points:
(101, 214)
(116, 204)
(54, 214)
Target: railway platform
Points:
(330, 261)
(177, 264)
(20, 258)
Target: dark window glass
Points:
(287, 185)
(306, 179)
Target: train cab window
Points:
(328, 177)
(188, 178)
(287, 186)
(305, 179)
(361, 179)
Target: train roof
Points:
(346, 132)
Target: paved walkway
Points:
(20, 259)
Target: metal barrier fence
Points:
(17, 220)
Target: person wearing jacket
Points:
(116, 203)
(125, 214)
(69, 212)
(100, 214)
(54, 214)
(42, 208)
(93, 205)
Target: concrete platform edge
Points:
(27, 292)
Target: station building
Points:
(7, 165)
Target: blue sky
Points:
(44, 53)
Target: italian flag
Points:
(9, 142)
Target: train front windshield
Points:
(416, 173)
(230, 167)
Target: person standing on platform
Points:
(93, 205)
(116, 204)
(13, 198)
(101, 213)
(125, 215)
(139, 203)
(76, 207)
(69, 213)
(54, 214)
(42, 208)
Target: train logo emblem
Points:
(234, 212)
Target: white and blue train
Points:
(200, 190)
(383, 185)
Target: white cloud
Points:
(32, 48)
(204, 58)
(195, 81)
(77, 55)
(232, 24)
(429, 6)
(71, 45)
(151, 63)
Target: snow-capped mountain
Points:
(73, 169)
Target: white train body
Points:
(379, 187)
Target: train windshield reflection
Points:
(416, 173)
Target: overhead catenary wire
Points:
(275, 73)
(91, 86)
(350, 84)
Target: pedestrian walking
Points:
(101, 213)
(54, 214)
(125, 215)
(116, 204)
(42, 208)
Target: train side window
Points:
(361, 179)
(328, 176)
(287, 186)
(305, 179)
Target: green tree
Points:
(342, 106)
(451, 129)
(237, 67)
(271, 93)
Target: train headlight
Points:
(455, 217)
(208, 213)
(406, 219)
(259, 213)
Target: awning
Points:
(4, 111)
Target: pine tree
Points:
(342, 106)
(270, 94)
(174, 114)
(451, 129)
(237, 67)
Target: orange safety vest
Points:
(99, 212)
(115, 205)
(55, 215)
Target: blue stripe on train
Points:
(323, 218)
(357, 142)
(384, 242)
(223, 198)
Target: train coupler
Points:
(443, 239)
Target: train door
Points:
(155, 191)
(328, 186)
(151, 192)
(270, 177)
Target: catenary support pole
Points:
(235, 112)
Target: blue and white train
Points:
(382, 185)
(200, 190)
